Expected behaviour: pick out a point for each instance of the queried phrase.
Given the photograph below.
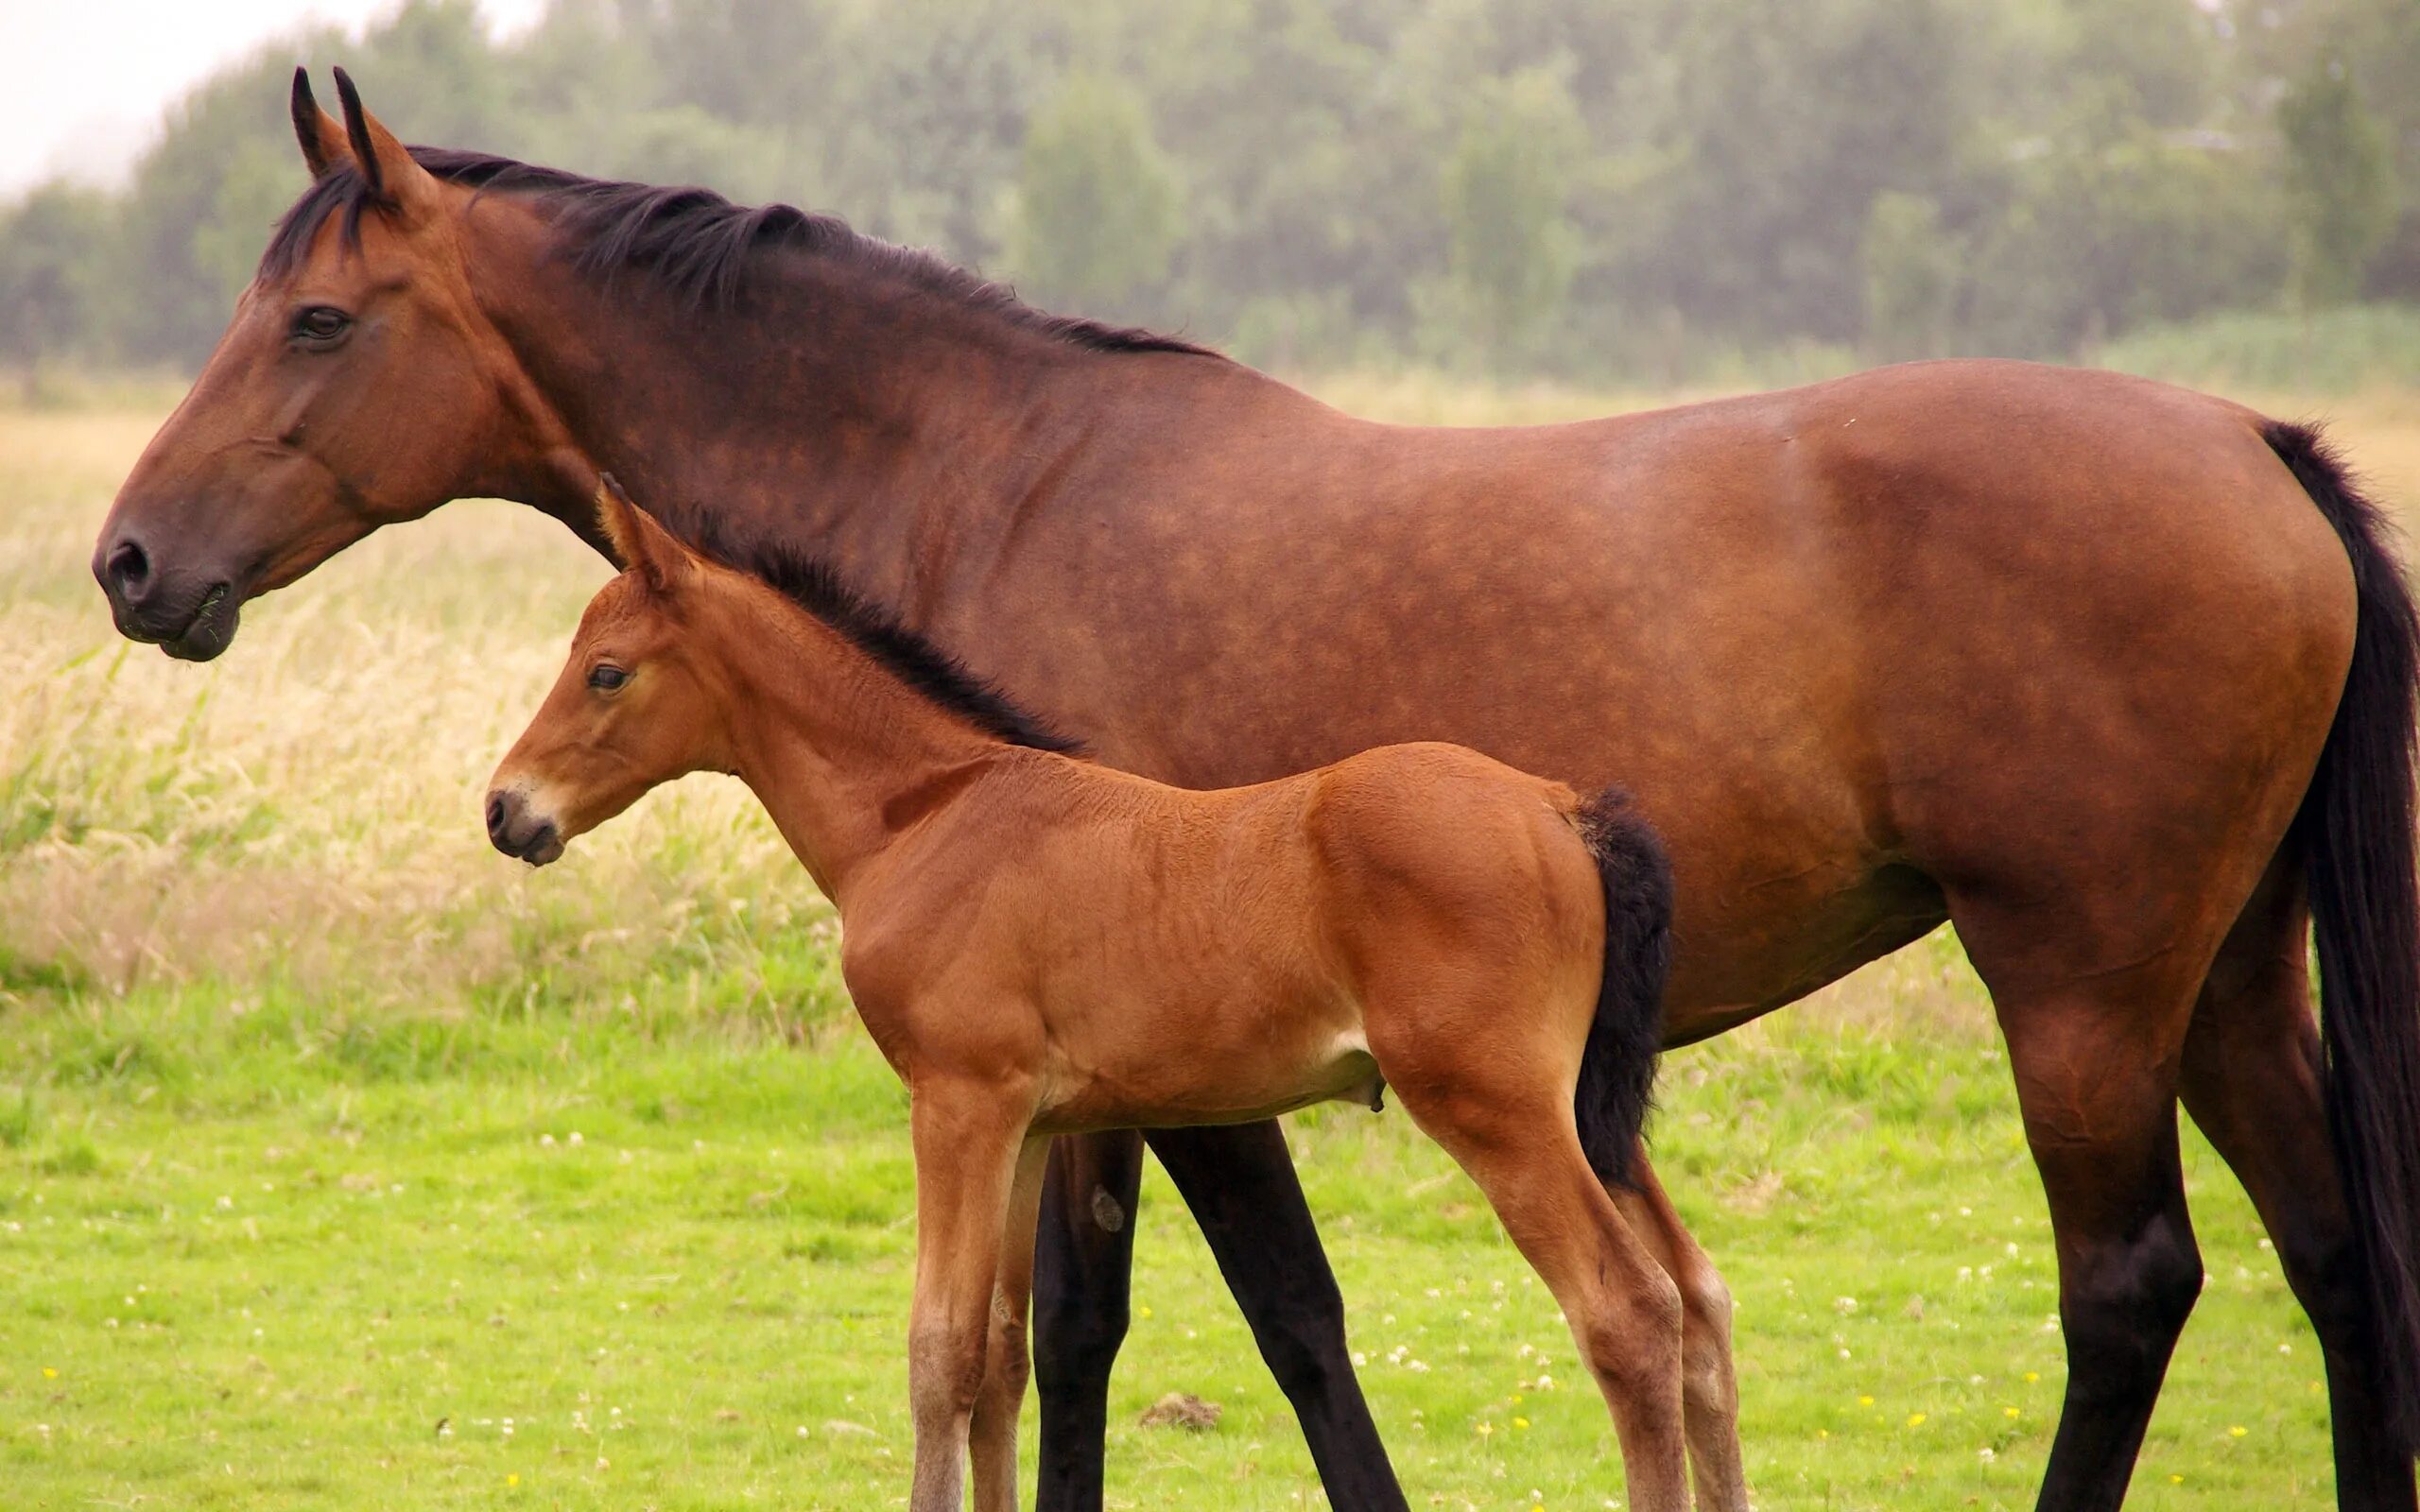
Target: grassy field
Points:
(343, 1162)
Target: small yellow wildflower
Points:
(1865, 1401)
(512, 1480)
(1520, 1422)
(2032, 1376)
(2008, 1412)
(2177, 1480)
(2235, 1432)
(1915, 1419)
(1485, 1428)
(49, 1374)
(1144, 1311)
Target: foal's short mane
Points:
(697, 243)
(928, 671)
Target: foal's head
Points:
(636, 704)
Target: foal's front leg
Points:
(967, 1140)
(992, 1430)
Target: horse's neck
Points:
(841, 751)
(876, 426)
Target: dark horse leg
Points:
(2095, 1052)
(1084, 1261)
(1240, 1185)
(2251, 1083)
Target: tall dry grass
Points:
(305, 811)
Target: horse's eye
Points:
(605, 676)
(320, 324)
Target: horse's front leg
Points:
(992, 1430)
(967, 1142)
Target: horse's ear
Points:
(639, 543)
(386, 165)
(324, 147)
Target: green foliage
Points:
(54, 258)
(2341, 182)
(2344, 350)
(1658, 189)
(1911, 277)
(1505, 191)
(2132, 227)
(1097, 205)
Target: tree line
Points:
(1579, 187)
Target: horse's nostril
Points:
(495, 818)
(128, 568)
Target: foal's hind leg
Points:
(1513, 1134)
(2251, 1083)
(1709, 1390)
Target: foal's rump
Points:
(1487, 916)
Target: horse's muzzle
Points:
(192, 618)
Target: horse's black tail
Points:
(2356, 835)
(1618, 1064)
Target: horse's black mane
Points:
(925, 668)
(696, 243)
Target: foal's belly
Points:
(1207, 1074)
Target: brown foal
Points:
(1040, 944)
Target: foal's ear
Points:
(639, 543)
(324, 149)
(386, 165)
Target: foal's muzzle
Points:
(516, 832)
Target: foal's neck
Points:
(843, 755)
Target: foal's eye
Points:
(605, 678)
(320, 324)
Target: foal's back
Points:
(1167, 956)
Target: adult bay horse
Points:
(1041, 944)
(2118, 677)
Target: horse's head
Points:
(359, 384)
(635, 705)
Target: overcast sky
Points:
(83, 83)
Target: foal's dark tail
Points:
(1618, 1064)
(2356, 833)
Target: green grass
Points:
(277, 1257)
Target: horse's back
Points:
(1846, 644)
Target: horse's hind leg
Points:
(2095, 1056)
(1513, 1134)
(1709, 1390)
(2252, 1082)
